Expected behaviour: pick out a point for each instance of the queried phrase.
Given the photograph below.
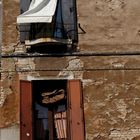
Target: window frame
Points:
(27, 37)
(75, 111)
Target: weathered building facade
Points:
(107, 61)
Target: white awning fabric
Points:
(40, 11)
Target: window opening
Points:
(50, 109)
(48, 21)
(54, 110)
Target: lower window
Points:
(51, 110)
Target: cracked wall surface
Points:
(115, 97)
(110, 25)
(111, 84)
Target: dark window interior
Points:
(49, 113)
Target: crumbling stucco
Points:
(9, 99)
(6, 79)
(124, 134)
(10, 33)
(115, 97)
(73, 69)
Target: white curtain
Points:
(40, 11)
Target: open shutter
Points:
(69, 16)
(75, 111)
(24, 29)
(26, 132)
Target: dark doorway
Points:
(50, 106)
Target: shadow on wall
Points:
(47, 49)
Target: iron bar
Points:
(92, 69)
(84, 53)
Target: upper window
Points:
(48, 21)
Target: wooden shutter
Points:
(26, 132)
(75, 111)
(24, 29)
(69, 17)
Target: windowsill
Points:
(48, 40)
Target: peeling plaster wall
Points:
(10, 33)
(115, 97)
(111, 84)
(9, 83)
(110, 25)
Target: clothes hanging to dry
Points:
(53, 97)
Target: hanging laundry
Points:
(54, 96)
(40, 11)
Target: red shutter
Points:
(75, 111)
(26, 110)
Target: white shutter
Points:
(40, 11)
